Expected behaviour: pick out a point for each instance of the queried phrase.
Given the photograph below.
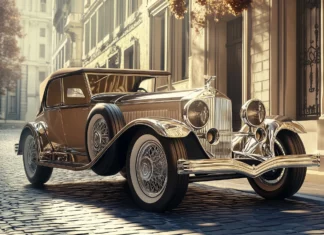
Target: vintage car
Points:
(115, 120)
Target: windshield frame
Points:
(143, 76)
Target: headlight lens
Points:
(197, 114)
(253, 113)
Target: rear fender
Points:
(38, 130)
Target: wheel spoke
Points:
(151, 168)
(100, 135)
(274, 176)
(31, 157)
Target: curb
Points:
(314, 172)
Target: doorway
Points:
(234, 68)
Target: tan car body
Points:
(60, 131)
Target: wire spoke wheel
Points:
(274, 177)
(37, 175)
(31, 156)
(151, 168)
(285, 182)
(98, 135)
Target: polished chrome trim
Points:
(216, 166)
(186, 111)
(262, 132)
(244, 111)
(274, 126)
(212, 177)
(245, 142)
(221, 119)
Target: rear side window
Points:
(75, 90)
(54, 95)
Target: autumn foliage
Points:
(10, 59)
(205, 9)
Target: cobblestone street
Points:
(83, 203)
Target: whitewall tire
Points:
(152, 171)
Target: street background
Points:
(84, 203)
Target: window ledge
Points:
(181, 81)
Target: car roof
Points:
(70, 71)
(67, 71)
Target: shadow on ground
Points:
(204, 209)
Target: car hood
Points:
(139, 97)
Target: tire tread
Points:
(295, 176)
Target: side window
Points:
(53, 97)
(75, 90)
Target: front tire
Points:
(282, 183)
(152, 171)
(37, 175)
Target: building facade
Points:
(272, 52)
(67, 34)
(35, 46)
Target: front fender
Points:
(165, 127)
(275, 124)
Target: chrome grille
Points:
(220, 110)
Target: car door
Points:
(53, 115)
(75, 110)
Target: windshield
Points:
(104, 83)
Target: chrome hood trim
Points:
(138, 98)
(217, 166)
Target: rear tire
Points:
(282, 183)
(103, 124)
(152, 171)
(37, 175)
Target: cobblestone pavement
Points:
(83, 203)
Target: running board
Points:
(217, 166)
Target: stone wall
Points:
(260, 51)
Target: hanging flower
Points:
(178, 8)
(208, 9)
(239, 5)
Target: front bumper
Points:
(217, 166)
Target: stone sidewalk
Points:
(83, 203)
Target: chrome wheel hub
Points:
(275, 176)
(100, 135)
(151, 168)
(146, 168)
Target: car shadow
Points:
(204, 209)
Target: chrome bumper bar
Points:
(215, 166)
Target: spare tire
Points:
(104, 122)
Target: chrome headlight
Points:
(196, 114)
(253, 113)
